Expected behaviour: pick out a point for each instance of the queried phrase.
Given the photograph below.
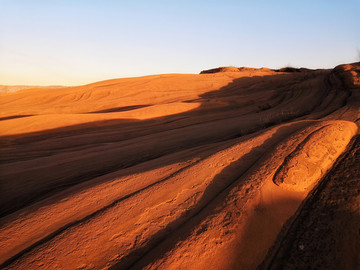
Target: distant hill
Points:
(14, 88)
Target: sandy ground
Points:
(325, 232)
(208, 171)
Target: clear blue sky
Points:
(71, 42)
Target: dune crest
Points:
(314, 156)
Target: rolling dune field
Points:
(233, 168)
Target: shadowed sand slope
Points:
(169, 171)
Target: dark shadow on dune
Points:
(13, 117)
(325, 239)
(122, 109)
(64, 132)
(230, 112)
(260, 231)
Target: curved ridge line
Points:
(294, 152)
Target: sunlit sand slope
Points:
(168, 171)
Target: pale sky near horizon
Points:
(73, 42)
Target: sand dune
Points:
(207, 171)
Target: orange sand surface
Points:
(167, 171)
